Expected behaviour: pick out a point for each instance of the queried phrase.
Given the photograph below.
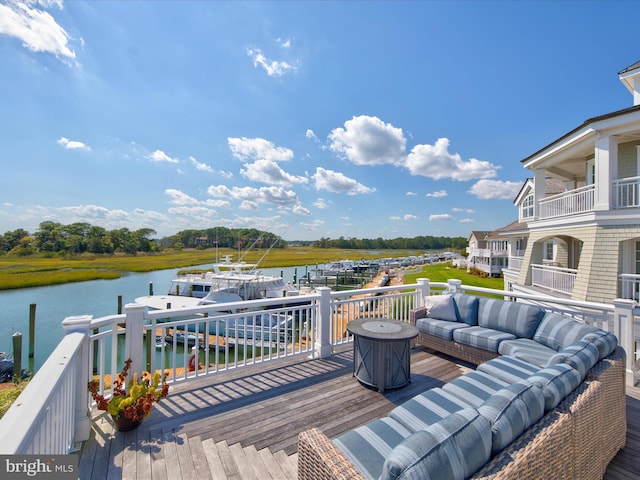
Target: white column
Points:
(134, 337)
(606, 162)
(83, 361)
(623, 329)
(323, 346)
(538, 191)
(424, 290)
(454, 285)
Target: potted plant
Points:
(128, 406)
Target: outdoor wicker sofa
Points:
(548, 403)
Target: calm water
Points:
(97, 298)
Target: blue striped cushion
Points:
(467, 307)
(511, 411)
(474, 387)
(426, 409)
(518, 318)
(441, 307)
(368, 446)
(558, 331)
(439, 328)
(452, 449)
(580, 355)
(556, 381)
(508, 369)
(526, 349)
(606, 342)
(484, 338)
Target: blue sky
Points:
(305, 119)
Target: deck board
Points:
(255, 413)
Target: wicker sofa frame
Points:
(577, 439)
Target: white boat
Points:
(227, 282)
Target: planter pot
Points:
(124, 424)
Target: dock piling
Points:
(17, 355)
(32, 328)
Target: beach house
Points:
(578, 228)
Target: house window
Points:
(527, 207)
(591, 172)
(549, 252)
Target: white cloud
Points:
(313, 226)
(270, 195)
(268, 171)
(338, 183)
(94, 212)
(180, 198)
(284, 43)
(411, 194)
(495, 189)
(366, 140)
(273, 68)
(310, 134)
(249, 205)
(73, 144)
(160, 156)
(438, 194)
(467, 210)
(216, 203)
(395, 218)
(194, 212)
(201, 166)
(409, 216)
(467, 220)
(300, 210)
(37, 29)
(258, 149)
(321, 203)
(439, 217)
(435, 161)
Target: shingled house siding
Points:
(599, 265)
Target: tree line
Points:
(77, 238)
(416, 243)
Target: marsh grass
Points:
(8, 394)
(37, 271)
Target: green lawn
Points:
(441, 272)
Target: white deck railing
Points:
(556, 279)
(627, 192)
(515, 263)
(630, 286)
(53, 412)
(567, 203)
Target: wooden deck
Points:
(244, 424)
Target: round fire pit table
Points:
(382, 352)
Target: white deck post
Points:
(323, 345)
(623, 325)
(454, 285)
(82, 369)
(134, 337)
(423, 290)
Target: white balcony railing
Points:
(567, 203)
(556, 279)
(486, 252)
(53, 412)
(629, 286)
(627, 192)
(515, 263)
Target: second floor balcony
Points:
(625, 194)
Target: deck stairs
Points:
(168, 454)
